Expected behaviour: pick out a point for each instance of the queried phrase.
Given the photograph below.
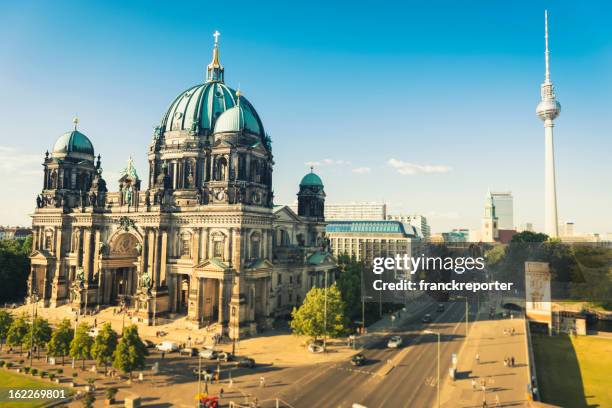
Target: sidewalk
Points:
(502, 383)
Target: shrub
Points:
(89, 400)
(111, 392)
(2, 363)
(60, 371)
(9, 364)
(43, 374)
(21, 361)
(75, 374)
(27, 369)
(51, 376)
(33, 371)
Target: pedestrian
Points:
(95, 322)
(163, 354)
(497, 403)
(512, 361)
(477, 358)
(221, 393)
(505, 361)
(262, 382)
(473, 384)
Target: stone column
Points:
(87, 255)
(195, 246)
(221, 301)
(163, 257)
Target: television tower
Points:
(548, 109)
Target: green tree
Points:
(59, 345)
(349, 285)
(14, 268)
(39, 333)
(104, 346)
(309, 319)
(80, 346)
(17, 332)
(5, 324)
(131, 351)
(529, 236)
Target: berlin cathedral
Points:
(204, 240)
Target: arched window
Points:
(255, 246)
(185, 244)
(218, 245)
(48, 240)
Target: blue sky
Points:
(442, 92)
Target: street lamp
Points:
(437, 334)
(325, 316)
(34, 299)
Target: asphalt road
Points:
(412, 383)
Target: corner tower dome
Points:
(73, 144)
(198, 108)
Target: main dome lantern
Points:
(196, 109)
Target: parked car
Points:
(426, 318)
(93, 332)
(208, 354)
(223, 356)
(246, 362)
(440, 308)
(148, 343)
(188, 351)
(358, 359)
(394, 342)
(204, 373)
(167, 346)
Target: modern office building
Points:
(366, 240)
(356, 212)
(15, 232)
(504, 209)
(415, 220)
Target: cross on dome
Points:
(216, 34)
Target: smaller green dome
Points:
(311, 179)
(237, 119)
(73, 142)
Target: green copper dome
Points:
(311, 179)
(237, 119)
(73, 142)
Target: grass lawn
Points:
(12, 380)
(574, 372)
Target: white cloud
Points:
(14, 163)
(327, 162)
(362, 170)
(409, 169)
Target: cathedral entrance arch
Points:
(121, 267)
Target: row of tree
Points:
(126, 353)
(14, 268)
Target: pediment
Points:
(260, 264)
(285, 213)
(212, 265)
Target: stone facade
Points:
(202, 240)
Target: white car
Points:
(208, 354)
(167, 346)
(93, 332)
(394, 342)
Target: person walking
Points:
(512, 361)
(477, 358)
(473, 384)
